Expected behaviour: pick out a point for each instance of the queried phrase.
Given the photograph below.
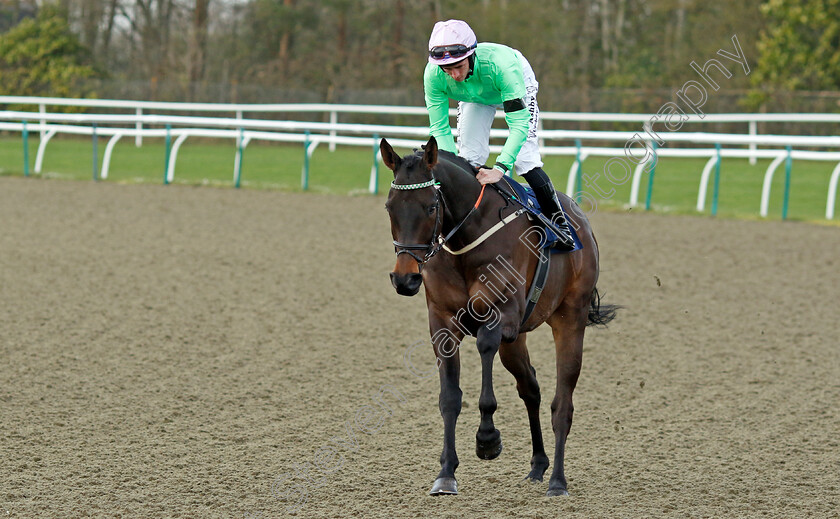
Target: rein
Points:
(437, 243)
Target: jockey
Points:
(483, 77)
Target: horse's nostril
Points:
(406, 284)
(414, 281)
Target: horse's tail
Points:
(600, 315)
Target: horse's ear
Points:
(389, 156)
(430, 152)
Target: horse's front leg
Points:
(488, 439)
(446, 345)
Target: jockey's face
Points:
(459, 70)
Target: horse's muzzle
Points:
(406, 284)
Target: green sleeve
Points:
(437, 104)
(511, 83)
(518, 125)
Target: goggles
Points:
(450, 51)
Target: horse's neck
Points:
(459, 191)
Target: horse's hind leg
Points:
(568, 325)
(488, 439)
(515, 358)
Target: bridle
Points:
(436, 243)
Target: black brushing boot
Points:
(550, 205)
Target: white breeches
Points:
(475, 121)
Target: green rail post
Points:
(240, 152)
(95, 154)
(650, 178)
(375, 164)
(788, 167)
(578, 174)
(166, 155)
(717, 182)
(304, 175)
(25, 150)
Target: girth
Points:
(537, 284)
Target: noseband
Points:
(436, 243)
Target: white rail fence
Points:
(312, 134)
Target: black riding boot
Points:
(550, 205)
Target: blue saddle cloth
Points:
(526, 195)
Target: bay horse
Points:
(476, 285)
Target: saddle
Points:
(524, 196)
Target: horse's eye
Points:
(432, 210)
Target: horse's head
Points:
(415, 211)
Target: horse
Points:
(475, 280)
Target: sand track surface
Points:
(171, 351)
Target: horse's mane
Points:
(451, 158)
(461, 162)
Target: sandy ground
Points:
(199, 352)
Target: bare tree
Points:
(198, 44)
(399, 17)
(90, 16)
(285, 40)
(109, 28)
(150, 24)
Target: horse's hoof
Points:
(489, 449)
(489, 452)
(444, 487)
(539, 464)
(557, 492)
(531, 478)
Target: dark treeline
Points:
(599, 55)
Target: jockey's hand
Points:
(489, 176)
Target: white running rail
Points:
(244, 130)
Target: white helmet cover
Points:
(451, 33)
